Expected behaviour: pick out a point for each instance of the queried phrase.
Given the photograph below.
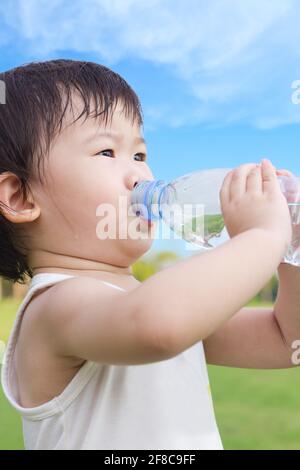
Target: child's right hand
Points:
(251, 198)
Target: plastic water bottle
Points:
(190, 206)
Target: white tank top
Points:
(161, 405)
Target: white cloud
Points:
(237, 58)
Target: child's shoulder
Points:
(42, 374)
(61, 295)
(85, 318)
(46, 308)
(53, 300)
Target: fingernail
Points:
(268, 162)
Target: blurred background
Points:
(218, 86)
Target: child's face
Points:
(78, 181)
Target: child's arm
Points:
(252, 338)
(263, 338)
(287, 304)
(184, 303)
(195, 297)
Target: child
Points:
(96, 359)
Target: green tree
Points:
(146, 267)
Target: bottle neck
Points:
(146, 198)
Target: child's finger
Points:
(254, 180)
(238, 180)
(284, 172)
(269, 178)
(224, 193)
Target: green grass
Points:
(10, 421)
(8, 308)
(11, 437)
(255, 409)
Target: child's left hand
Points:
(284, 172)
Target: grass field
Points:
(255, 409)
(10, 421)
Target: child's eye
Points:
(107, 150)
(142, 155)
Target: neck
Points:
(43, 261)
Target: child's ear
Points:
(13, 205)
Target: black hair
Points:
(32, 116)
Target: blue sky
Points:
(214, 78)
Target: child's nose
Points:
(132, 180)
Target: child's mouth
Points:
(145, 224)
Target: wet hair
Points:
(37, 95)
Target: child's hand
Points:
(284, 172)
(251, 198)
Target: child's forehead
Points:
(81, 125)
(117, 122)
(117, 132)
